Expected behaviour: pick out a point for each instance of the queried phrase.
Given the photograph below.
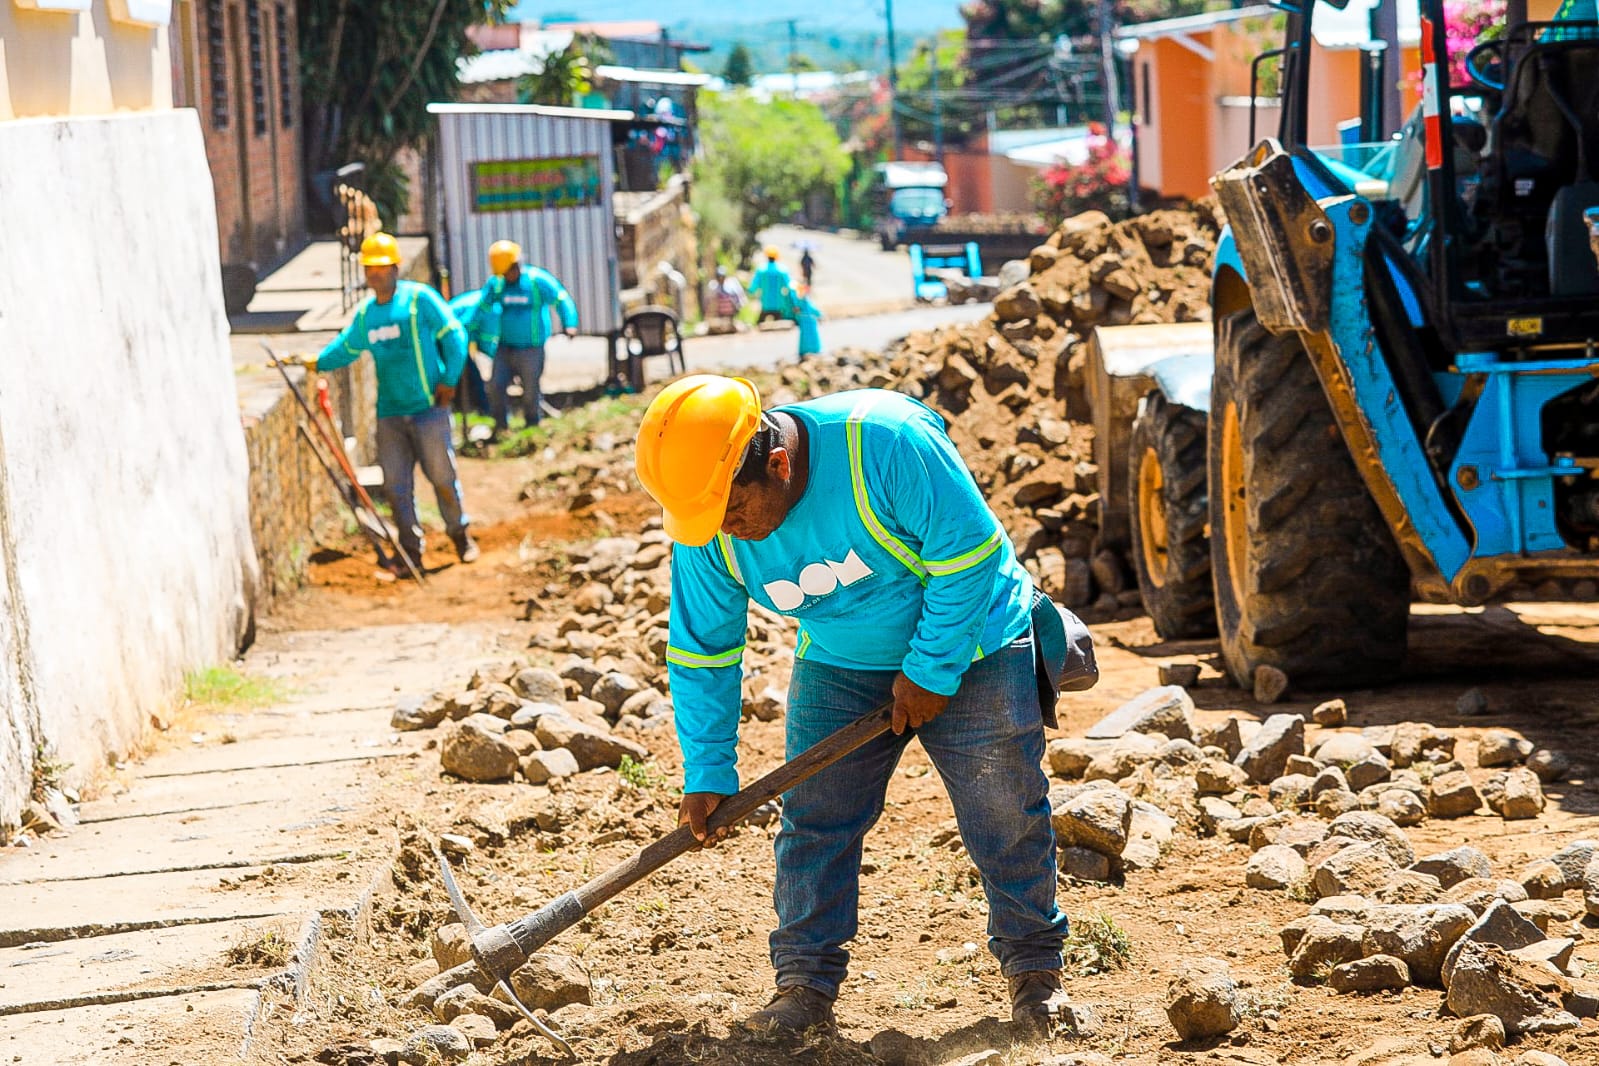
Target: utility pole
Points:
(1107, 66)
(893, 80)
(938, 104)
(793, 53)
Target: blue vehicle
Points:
(907, 196)
(1401, 400)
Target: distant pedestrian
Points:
(418, 350)
(809, 318)
(808, 267)
(724, 299)
(523, 296)
(775, 288)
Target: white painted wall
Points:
(126, 536)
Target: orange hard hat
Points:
(772, 252)
(503, 254)
(380, 250)
(689, 446)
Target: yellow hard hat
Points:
(503, 254)
(689, 446)
(380, 250)
(772, 252)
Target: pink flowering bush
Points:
(1098, 184)
(1466, 22)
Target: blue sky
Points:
(910, 16)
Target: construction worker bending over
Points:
(418, 349)
(774, 287)
(522, 296)
(855, 514)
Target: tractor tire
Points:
(1307, 575)
(1171, 548)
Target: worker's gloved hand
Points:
(914, 705)
(692, 812)
(443, 395)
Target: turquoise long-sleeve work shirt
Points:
(774, 287)
(523, 308)
(416, 345)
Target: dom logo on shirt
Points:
(817, 579)
(390, 332)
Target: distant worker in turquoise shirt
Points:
(418, 349)
(775, 288)
(522, 296)
(809, 318)
(855, 515)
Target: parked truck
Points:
(906, 196)
(1398, 395)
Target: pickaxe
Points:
(499, 950)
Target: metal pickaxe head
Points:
(499, 950)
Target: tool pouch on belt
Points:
(1063, 654)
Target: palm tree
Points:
(566, 75)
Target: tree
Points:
(740, 68)
(759, 162)
(369, 68)
(565, 75)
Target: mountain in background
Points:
(830, 34)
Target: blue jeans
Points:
(510, 363)
(403, 442)
(988, 747)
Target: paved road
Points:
(577, 365)
(853, 275)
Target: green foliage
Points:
(566, 75)
(369, 68)
(740, 68)
(224, 686)
(640, 775)
(1098, 945)
(617, 415)
(759, 163)
(48, 771)
(941, 57)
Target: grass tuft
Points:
(642, 776)
(256, 948)
(225, 686)
(1098, 945)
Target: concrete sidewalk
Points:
(305, 294)
(114, 934)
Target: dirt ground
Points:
(676, 961)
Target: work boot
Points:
(1038, 1003)
(467, 548)
(794, 1009)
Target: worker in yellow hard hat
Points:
(418, 350)
(775, 288)
(512, 321)
(855, 515)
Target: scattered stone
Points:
(1401, 807)
(1359, 869)
(522, 741)
(1225, 735)
(1083, 864)
(1407, 886)
(614, 689)
(1342, 749)
(1167, 710)
(1098, 820)
(1480, 1030)
(592, 746)
(1301, 764)
(1124, 755)
(474, 752)
(1275, 867)
(1479, 1056)
(1479, 894)
(414, 712)
(1549, 765)
(1543, 880)
(538, 685)
(1555, 954)
(456, 846)
(434, 1044)
(1290, 792)
(1185, 675)
(1573, 859)
(1150, 831)
(1214, 812)
(1375, 973)
(527, 716)
(1331, 714)
(1514, 794)
(1371, 770)
(1373, 827)
(1415, 742)
(1322, 945)
(1524, 996)
(1264, 757)
(1499, 748)
(1539, 1058)
(1590, 889)
(1069, 756)
(1472, 703)
(1455, 865)
(1542, 913)
(478, 1030)
(451, 947)
(549, 982)
(1332, 803)
(1420, 934)
(1202, 1001)
(1452, 795)
(1499, 924)
(1217, 778)
(990, 1057)
(540, 767)
(1329, 779)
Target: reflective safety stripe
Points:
(416, 346)
(695, 661)
(804, 645)
(978, 654)
(445, 329)
(726, 547)
(863, 506)
(966, 560)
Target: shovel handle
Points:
(533, 931)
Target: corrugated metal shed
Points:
(540, 176)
